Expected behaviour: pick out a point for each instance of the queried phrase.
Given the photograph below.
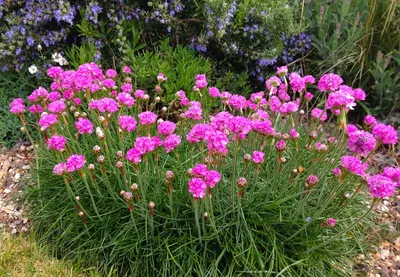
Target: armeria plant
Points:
(218, 185)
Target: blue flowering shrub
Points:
(251, 36)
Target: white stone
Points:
(384, 254)
(384, 209)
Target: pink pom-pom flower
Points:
(127, 123)
(147, 118)
(75, 162)
(197, 187)
(84, 126)
(56, 142)
(166, 128)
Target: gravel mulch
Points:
(14, 164)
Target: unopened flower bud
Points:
(128, 80)
(127, 195)
(77, 198)
(96, 149)
(294, 171)
(72, 108)
(190, 172)
(169, 175)
(76, 114)
(278, 135)
(119, 164)
(280, 145)
(320, 147)
(205, 215)
(182, 115)
(331, 140)
(313, 135)
(100, 159)
(282, 159)
(247, 157)
(312, 180)
(157, 89)
(160, 120)
(146, 97)
(22, 129)
(336, 171)
(84, 114)
(99, 132)
(347, 195)
(134, 187)
(241, 182)
(157, 99)
(151, 205)
(302, 112)
(102, 118)
(285, 136)
(119, 154)
(164, 109)
(81, 214)
(122, 192)
(91, 166)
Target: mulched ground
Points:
(14, 164)
(383, 262)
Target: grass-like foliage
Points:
(212, 186)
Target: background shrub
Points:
(349, 38)
(237, 35)
(13, 84)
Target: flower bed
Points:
(216, 184)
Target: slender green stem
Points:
(345, 230)
(196, 215)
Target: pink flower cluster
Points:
(381, 186)
(56, 142)
(125, 99)
(17, 106)
(84, 126)
(329, 82)
(259, 118)
(386, 134)
(258, 157)
(201, 81)
(194, 111)
(74, 163)
(104, 105)
(127, 123)
(47, 120)
(361, 142)
(354, 165)
(166, 128)
(202, 178)
(147, 118)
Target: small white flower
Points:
(33, 69)
(58, 58)
(39, 47)
(63, 62)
